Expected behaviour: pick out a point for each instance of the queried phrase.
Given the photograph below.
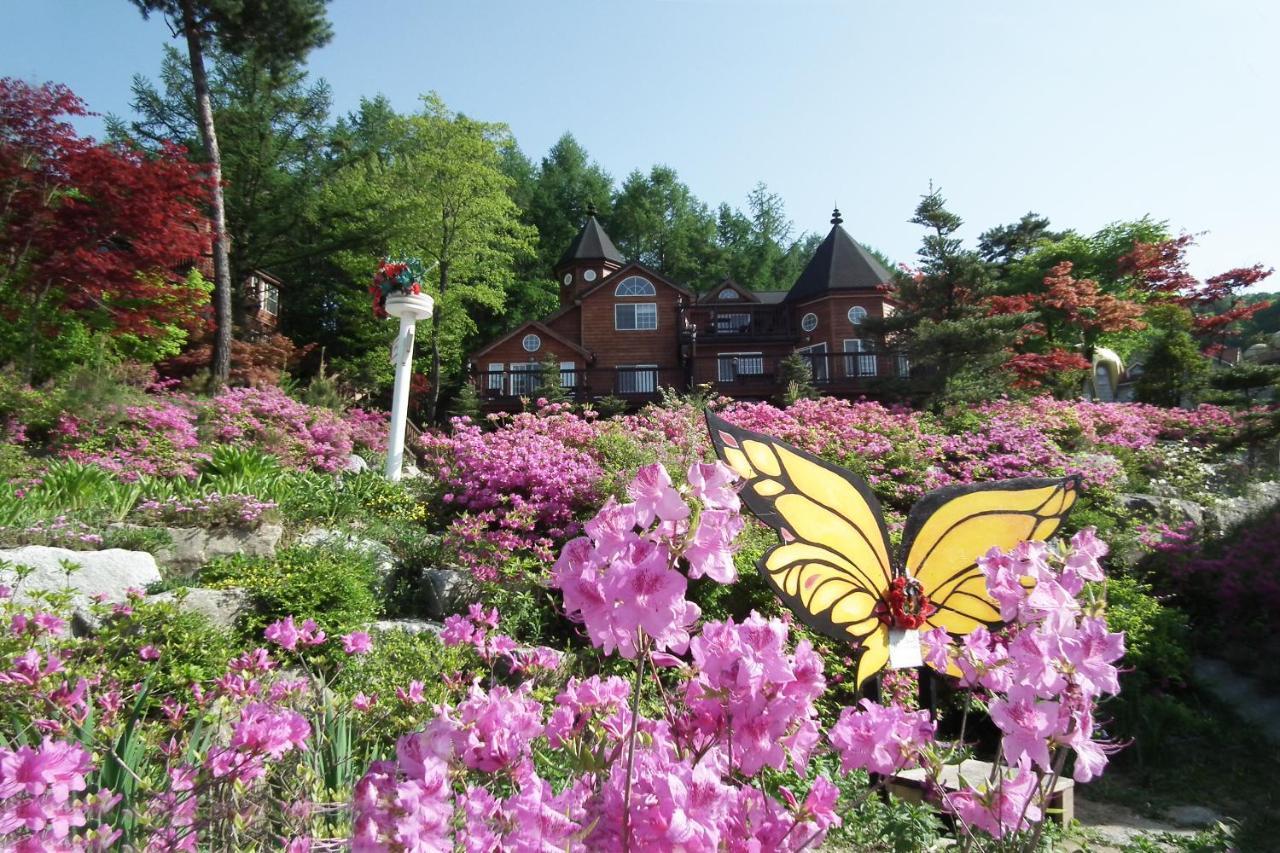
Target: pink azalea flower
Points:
(655, 496)
(357, 643)
(1027, 723)
(149, 653)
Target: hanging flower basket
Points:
(397, 289)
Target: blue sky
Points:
(1087, 112)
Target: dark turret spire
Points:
(591, 244)
(838, 263)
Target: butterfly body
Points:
(834, 566)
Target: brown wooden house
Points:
(624, 330)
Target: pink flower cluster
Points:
(303, 437)
(161, 439)
(478, 630)
(39, 806)
(622, 580)
(520, 488)
(881, 739)
(1047, 670)
(211, 510)
(752, 699)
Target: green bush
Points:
(399, 657)
(332, 585)
(192, 649)
(1157, 636)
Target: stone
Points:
(1229, 513)
(449, 590)
(195, 547)
(355, 464)
(408, 626)
(1193, 817)
(222, 607)
(384, 559)
(109, 573)
(910, 785)
(1170, 510)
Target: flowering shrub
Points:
(212, 510)
(520, 488)
(301, 436)
(59, 532)
(160, 439)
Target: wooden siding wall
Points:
(658, 346)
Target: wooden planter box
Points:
(911, 786)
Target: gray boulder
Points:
(449, 591)
(222, 607)
(355, 464)
(1228, 513)
(195, 547)
(381, 554)
(1172, 510)
(408, 626)
(109, 574)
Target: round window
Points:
(809, 322)
(589, 275)
(568, 278)
(531, 343)
(857, 314)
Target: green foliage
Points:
(610, 406)
(530, 609)
(332, 585)
(1157, 635)
(1245, 384)
(193, 649)
(72, 487)
(795, 375)
(550, 386)
(720, 601)
(1173, 370)
(397, 657)
(466, 403)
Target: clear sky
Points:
(1087, 112)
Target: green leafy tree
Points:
(566, 185)
(1174, 370)
(277, 35)
(658, 221)
(437, 191)
(1245, 384)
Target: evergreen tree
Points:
(1174, 370)
(277, 35)
(942, 317)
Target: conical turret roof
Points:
(839, 263)
(591, 244)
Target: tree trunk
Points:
(433, 396)
(221, 367)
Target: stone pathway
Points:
(1242, 694)
(1109, 827)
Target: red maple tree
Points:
(1064, 322)
(1161, 270)
(105, 230)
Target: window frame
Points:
(635, 308)
(860, 362)
(804, 327)
(537, 342)
(520, 370)
(728, 294)
(496, 376)
(642, 293)
(853, 311)
(815, 349)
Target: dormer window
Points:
(728, 293)
(266, 294)
(634, 285)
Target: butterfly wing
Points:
(832, 566)
(949, 529)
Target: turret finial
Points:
(836, 218)
(591, 208)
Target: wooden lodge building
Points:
(623, 330)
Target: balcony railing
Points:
(746, 371)
(768, 322)
(637, 382)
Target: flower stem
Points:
(631, 750)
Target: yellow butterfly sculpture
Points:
(834, 567)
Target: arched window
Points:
(809, 322)
(728, 293)
(531, 343)
(857, 314)
(634, 285)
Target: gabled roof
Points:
(838, 264)
(771, 297)
(713, 295)
(632, 268)
(541, 329)
(591, 244)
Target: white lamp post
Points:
(409, 308)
